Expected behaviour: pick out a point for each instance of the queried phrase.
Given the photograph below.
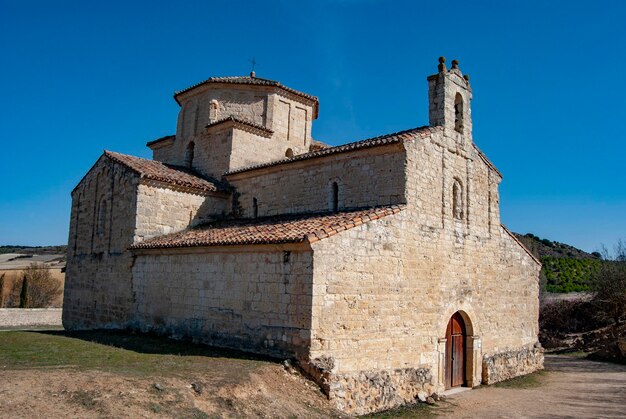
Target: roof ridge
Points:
(182, 176)
(356, 145)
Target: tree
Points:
(2, 290)
(41, 288)
(610, 284)
(24, 293)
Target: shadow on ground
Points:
(153, 344)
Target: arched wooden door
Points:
(455, 352)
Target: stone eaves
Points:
(242, 124)
(161, 140)
(290, 228)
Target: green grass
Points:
(117, 352)
(525, 381)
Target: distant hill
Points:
(544, 247)
(34, 250)
(565, 268)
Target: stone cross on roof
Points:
(253, 61)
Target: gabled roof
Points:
(269, 230)
(257, 81)
(394, 138)
(175, 175)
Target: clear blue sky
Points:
(549, 104)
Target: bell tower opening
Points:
(449, 97)
(458, 113)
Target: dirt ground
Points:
(108, 374)
(56, 374)
(269, 392)
(570, 388)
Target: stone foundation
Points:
(510, 364)
(371, 391)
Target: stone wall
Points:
(250, 149)
(506, 365)
(219, 150)
(387, 289)
(291, 121)
(164, 210)
(97, 289)
(29, 317)
(366, 178)
(112, 209)
(164, 151)
(255, 298)
(211, 103)
(213, 149)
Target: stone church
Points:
(380, 265)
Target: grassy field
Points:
(114, 374)
(117, 352)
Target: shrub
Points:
(38, 287)
(569, 274)
(24, 300)
(569, 317)
(609, 285)
(2, 290)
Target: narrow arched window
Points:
(289, 153)
(458, 113)
(189, 154)
(457, 200)
(335, 197)
(255, 208)
(213, 110)
(102, 217)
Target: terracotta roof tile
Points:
(396, 137)
(267, 230)
(250, 81)
(155, 170)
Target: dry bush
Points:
(42, 287)
(562, 317)
(610, 285)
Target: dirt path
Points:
(572, 387)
